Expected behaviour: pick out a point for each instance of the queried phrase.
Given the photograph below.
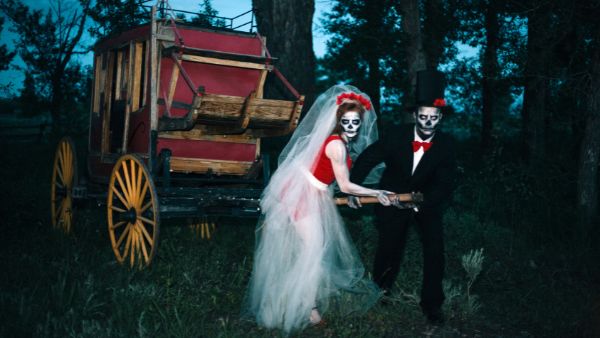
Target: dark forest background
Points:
(525, 104)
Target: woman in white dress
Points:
(304, 259)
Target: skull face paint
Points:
(427, 121)
(350, 122)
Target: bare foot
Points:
(315, 316)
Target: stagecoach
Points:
(177, 117)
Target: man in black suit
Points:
(418, 158)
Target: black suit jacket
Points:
(434, 176)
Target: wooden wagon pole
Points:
(153, 73)
(414, 197)
(153, 90)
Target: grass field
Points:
(53, 285)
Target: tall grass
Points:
(54, 285)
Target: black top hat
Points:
(431, 85)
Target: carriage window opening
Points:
(104, 61)
(121, 73)
(100, 64)
(125, 74)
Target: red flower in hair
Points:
(439, 103)
(354, 97)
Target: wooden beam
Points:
(221, 62)
(107, 100)
(119, 65)
(172, 85)
(220, 107)
(137, 76)
(263, 110)
(153, 78)
(128, 105)
(97, 83)
(199, 134)
(218, 167)
(261, 84)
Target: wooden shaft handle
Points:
(411, 197)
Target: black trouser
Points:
(392, 224)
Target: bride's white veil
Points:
(306, 142)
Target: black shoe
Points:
(434, 316)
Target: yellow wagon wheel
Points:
(133, 212)
(64, 178)
(204, 228)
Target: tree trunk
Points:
(536, 85)
(415, 53)
(374, 30)
(589, 156)
(435, 28)
(56, 101)
(490, 74)
(287, 26)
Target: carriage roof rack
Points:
(164, 10)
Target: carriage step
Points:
(79, 191)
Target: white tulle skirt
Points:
(304, 258)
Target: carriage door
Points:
(114, 100)
(118, 102)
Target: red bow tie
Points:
(417, 144)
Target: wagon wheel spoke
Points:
(204, 228)
(128, 182)
(127, 197)
(123, 235)
(145, 220)
(137, 187)
(64, 177)
(60, 175)
(142, 242)
(127, 243)
(116, 225)
(145, 233)
(133, 240)
(132, 193)
(143, 196)
(117, 209)
(119, 196)
(59, 211)
(145, 207)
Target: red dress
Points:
(323, 170)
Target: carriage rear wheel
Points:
(64, 178)
(133, 212)
(203, 227)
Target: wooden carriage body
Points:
(176, 121)
(197, 93)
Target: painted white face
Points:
(427, 120)
(350, 122)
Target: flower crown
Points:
(354, 97)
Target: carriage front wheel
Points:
(64, 178)
(133, 212)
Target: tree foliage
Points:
(6, 56)
(521, 74)
(207, 16)
(115, 16)
(46, 44)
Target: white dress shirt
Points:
(419, 153)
